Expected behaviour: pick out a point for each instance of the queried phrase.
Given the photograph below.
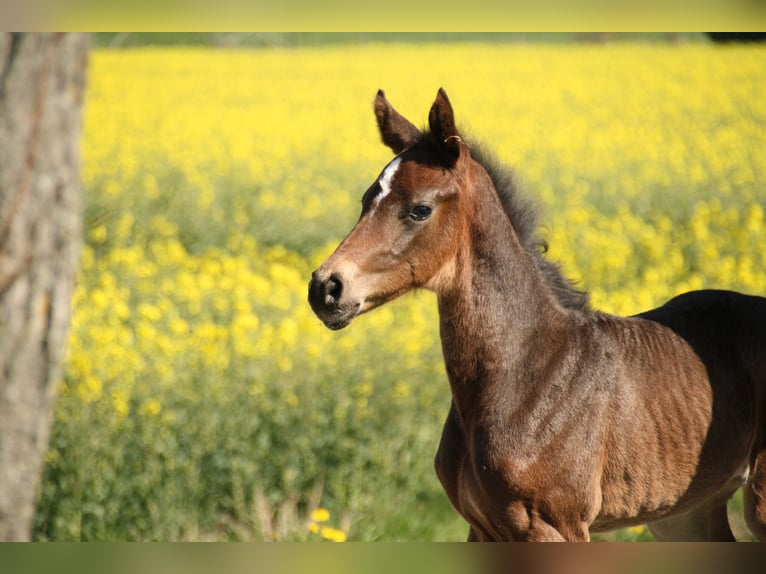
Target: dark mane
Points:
(524, 214)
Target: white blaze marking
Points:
(385, 179)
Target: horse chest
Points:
(487, 495)
(465, 489)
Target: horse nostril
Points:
(333, 289)
(325, 294)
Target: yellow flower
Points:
(120, 403)
(152, 407)
(333, 534)
(320, 515)
(90, 389)
(98, 234)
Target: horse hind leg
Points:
(706, 522)
(755, 498)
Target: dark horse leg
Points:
(706, 522)
(755, 498)
(755, 490)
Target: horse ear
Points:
(395, 130)
(441, 120)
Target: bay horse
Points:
(564, 420)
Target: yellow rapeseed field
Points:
(202, 398)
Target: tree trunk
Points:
(42, 78)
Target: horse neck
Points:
(494, 310)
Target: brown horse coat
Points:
(564, 420)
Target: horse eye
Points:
(420, 212)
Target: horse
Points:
(564, 420)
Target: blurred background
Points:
(203, 400)
(296, 39)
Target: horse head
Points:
(412, 222)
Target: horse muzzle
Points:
(326, 297)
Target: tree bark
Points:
(42, 79)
